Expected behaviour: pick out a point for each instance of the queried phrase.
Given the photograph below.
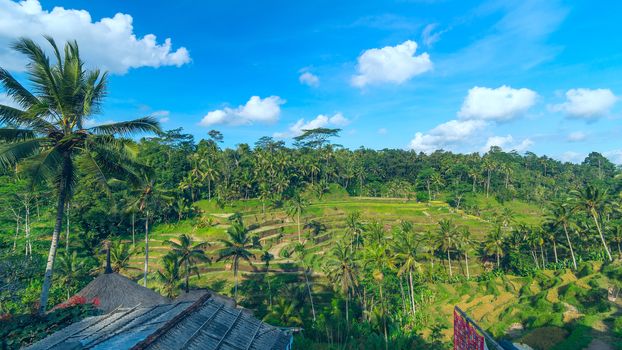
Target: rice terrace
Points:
(310, 175)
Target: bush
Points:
(585, 269)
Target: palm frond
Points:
(16, 90)
(88, 165)
(146, 124)
(16, 135)
(42, 166)
(12, 153)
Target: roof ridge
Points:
(170, 324)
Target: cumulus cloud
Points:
(321, 121)
(446, 135)
(502, 103)
(586, 103)
(390, 64)
(109, 43)
(309, 79)
(256, 110)
(577, 136)
(507, 143)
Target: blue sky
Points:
(542, 76)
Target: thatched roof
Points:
(113, 291)
(204, 324)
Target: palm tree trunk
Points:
(600, 232)
(187, 276)
(466, 262)
(310, 296)
(384, 319)
(58, 225)
(402, 294)
(67, 235)
(498, 261)
(146, 249)
(449, 261)
(235, 276)
(555, 251)
(133, 229)
(542, 256)
(347, 310)
(412, 292)
(298, 217)
(574, 261)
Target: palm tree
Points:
(284, 313)
(406, 252)
(342, 270)
(559, 216)
(376, 257)
(306, 261)
(592, 200)
(267, 257)
(354, 228)
(237, 247)
(616, 237)
(70, 269)
(465, 242)
(120, 255)
(446, 239)
(47, 136)
(169, 275)
(188, 255)
(494, 244)
(295, 208)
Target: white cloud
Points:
(390, 64)
(572, 157)
(502, 103)
(309, 79)
(577, 136)
(321, 121)
(8, 101)
(507, 143)
(258, 110)
(163, 116)
(586, 103)
(614, 156)
(446, 135)
(109, 43)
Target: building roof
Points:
(113, 290)
(207, 323)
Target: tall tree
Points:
(237, 247)
(593, 202)
(446, 239)
(343, 272)
(188, 255)
(295, 207)
(47, 134)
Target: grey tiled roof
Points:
(205, 324)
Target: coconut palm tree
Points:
(120, 255)
(446, 239)
(47, 135)
(559, 215)
(494, 243)
(237, 247)
(376, 258)
(592, 201)
(342, 270)
(306, 261)
(284, 313)
(169, 275)
(188, 255)
(616, 237)
(267, 257)
(70, 269)
(405, 249)
(354, 228)
(464, 244)
(295, 207)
